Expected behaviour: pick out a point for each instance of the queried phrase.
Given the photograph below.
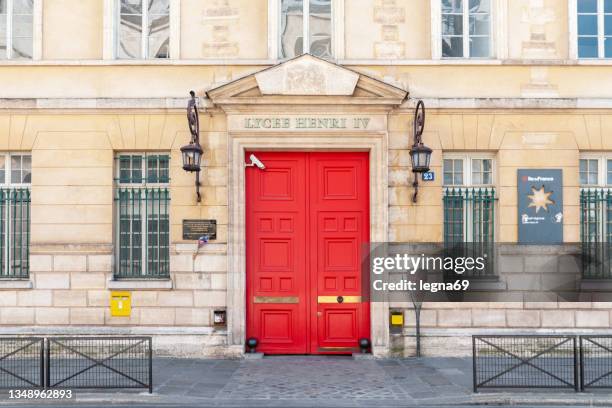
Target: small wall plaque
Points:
(194, 229)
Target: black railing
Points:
(76, 362)
(22, 362)
(525, 362)
(595, 362)
(99, 362)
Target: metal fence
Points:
(76, 362)
(469, 226)
(21, 362)
(595, 362)
(525, 362)
(99, 362)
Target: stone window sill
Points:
(142, 284)
(15, 284)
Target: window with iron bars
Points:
(16, 178)
(142, 225)
(469, 210)
(595, 173)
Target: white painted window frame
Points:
(467, 158)
(274, 22)
(498, 31)
(602, 169)
(573, 31)
(111, 29)
(36, 30)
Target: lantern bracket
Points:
(193, 119)
(418, 146)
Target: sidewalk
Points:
(323, 382)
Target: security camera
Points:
(256, 162)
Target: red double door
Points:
(307, 218)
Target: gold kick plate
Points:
(276, 299)
(339, 299)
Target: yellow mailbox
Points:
(121, 304)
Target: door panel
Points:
(307, 220)
(339, 205)
(276, 262)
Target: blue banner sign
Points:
(540, 206)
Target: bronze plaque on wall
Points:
(194, 229)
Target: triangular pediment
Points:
(307, 79)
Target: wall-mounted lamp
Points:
(192, 153)
(420, 155)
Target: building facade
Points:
(92, 117)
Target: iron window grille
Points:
(596, 232)
(595, 174)
(469, 209)
(142, 201)
(15, 198)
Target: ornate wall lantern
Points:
(192, 153)
(420, 155)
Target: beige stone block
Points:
(72, 233)
(87, 316)
(88, 280)
(52, 280)
(215, 212)
(98, 298)
(489, 318)
(73, 176)
(400, 177)
(52, 315)
(88, 141)
(35, 298)
(454, 318)
(41, 263)
(71, 214)
(558, 318)
(602, 305)
(99, 263)
(592, 318)
(157, 316)
(523, 318)
(211, 263)
(428, 318)
(175, 298)
(141, 298)
(72, 158)
(70, 298)
(215, 176)
(399, 158)
(192, 281)
(193, 317)
(70, 263)
(132, 320)
(219, 281)
(209, 298)
(181, 263)
(8, 298)
(399, 140)
(17, 315)
(73, 195)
